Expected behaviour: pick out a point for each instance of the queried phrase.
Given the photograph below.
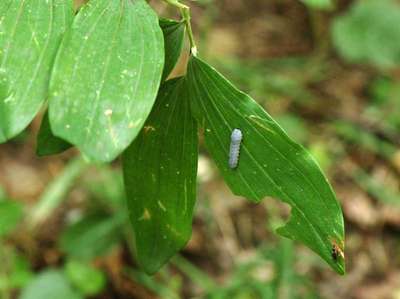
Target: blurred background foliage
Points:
(329, 72)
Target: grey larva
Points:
(234, 150)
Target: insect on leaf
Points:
(160, 170)
(270, 163)
(106, 76)
(174, 33)
(30, 33)
(234, 149)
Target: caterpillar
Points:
(234, 150)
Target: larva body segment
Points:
(234, 150)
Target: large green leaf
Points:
(106, 76)
(270, 163)
(48, 144)
(50, 284)
(160, 170)
(30, 33)
(174, 33)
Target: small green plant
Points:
(76, 279)
(103, 73)
(369, 32)
(15, 270)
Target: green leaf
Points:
(106, 76)
(49, 285)
(369, 33)
(160, 170)
(270, 163)
(10, 215)
(174, 33)
(92, 236)
(30, 33)
(88, 280)
(47, 143)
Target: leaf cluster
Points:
(102, 74)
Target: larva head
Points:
(236, 135)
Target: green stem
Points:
(56, 191)
(185, 12)
(194, 273)
(152, 284)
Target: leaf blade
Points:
(120, 44)
(31, 32)
(47, 143)
(174, 32)
(160, 170)
(270, 163)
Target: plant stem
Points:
(56, 191)
(185, 12)
(194, 273)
